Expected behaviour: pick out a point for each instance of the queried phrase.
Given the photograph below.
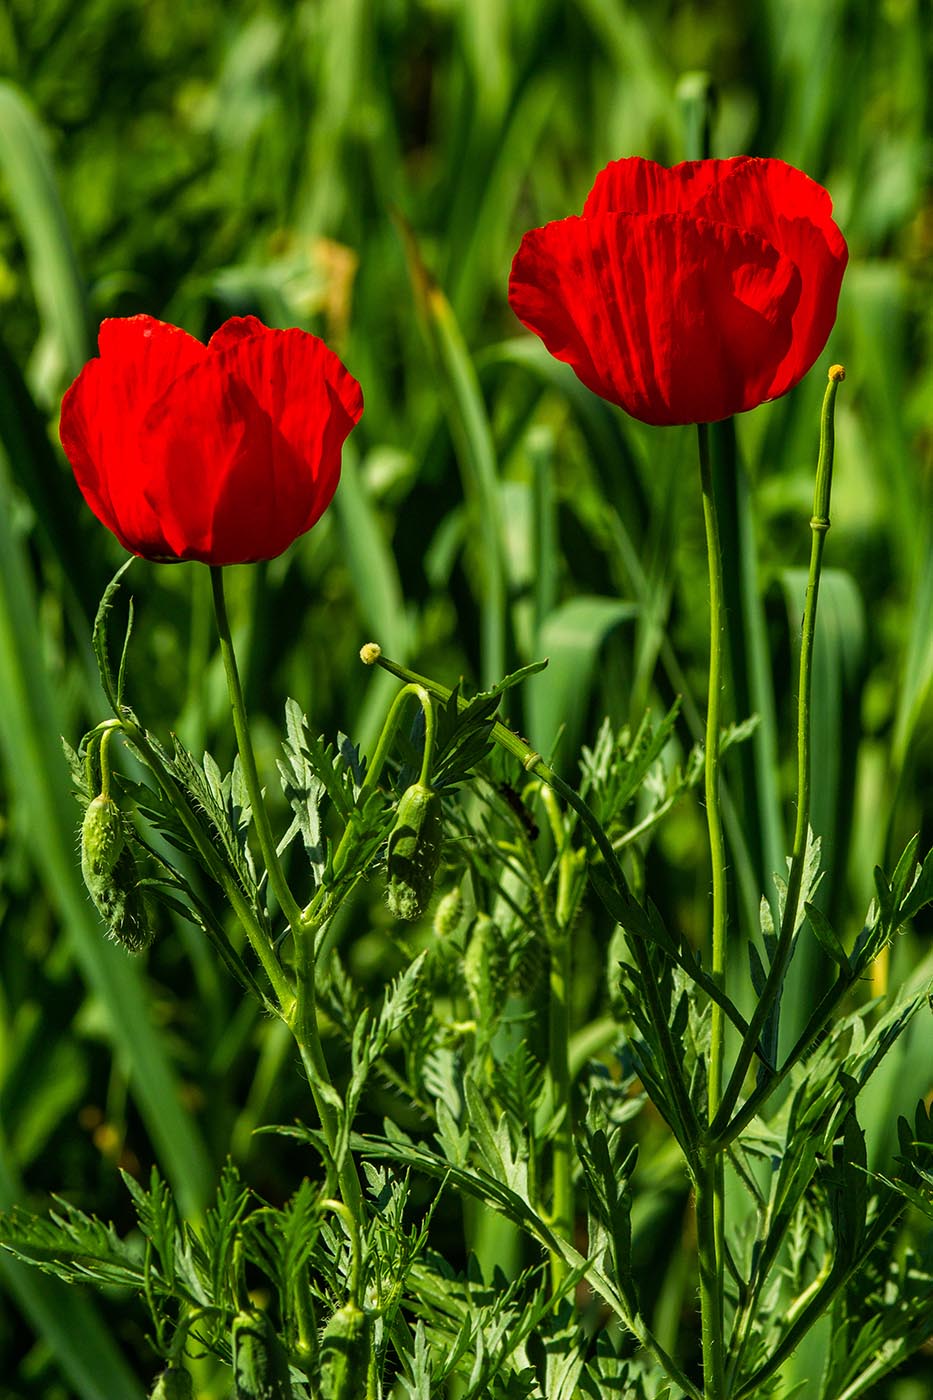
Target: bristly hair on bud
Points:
(414, 851)
(174, 1383)
(260, 1366)
(112, 875)
(346, 1354)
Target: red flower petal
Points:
(768, 197)
(101, 416)
(224, 453)
(674, 318)
(636, 186)
(793, 213)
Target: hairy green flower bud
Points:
(260, 1366)
(346, 1354)
(112, 876)
(485, 965)
(448, 912)
(414, 851)
(102, 840)
(175, 1383)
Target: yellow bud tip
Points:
(370, 653)
(837, 374)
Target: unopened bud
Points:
(414, 852)
(484, 963)
(346, 1354)
(112, 876)
(370, 653)
(448, 912)
(260, 1366)
(175, 1383)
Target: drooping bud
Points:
(112, 876)
(484, 964)
(414, 852)
(448, 913)
(260, 1366)
(346, 1354)
(175, 1383)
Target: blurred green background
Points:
(366, 170)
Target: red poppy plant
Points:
(685, 295)
(224, 452)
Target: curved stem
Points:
(532, 762)
(819, 525)
(709, 1179)
(267, 843)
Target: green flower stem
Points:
(759, 1096)
(557, 924)
(267, 843)
(383, 749)
(532, 762)
(709, 1175)
(301, 1014)
(304, 1028)
(819, 525)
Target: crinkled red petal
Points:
(793, 213)
(636, 186)
(101, 416)
(674, 318)
(243, 452)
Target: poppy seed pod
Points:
(414, 852)
(112, 876)
(346, 1354)
(224, 452)
(685, 295)
(260, 1366)
(175, 1383)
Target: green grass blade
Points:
(571, 638)
(31, 188)
(838, 673)
(29, 729)
(377, 586)
(66, 1319)
(475, 453)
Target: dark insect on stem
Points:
(509, 794)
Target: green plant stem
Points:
(304, 1027)
(819, 525)
(302, 1014)
(267, 844)
(532, 762)
(557, 924)
(709, 1175)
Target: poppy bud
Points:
(112, 876)
(260, 1366)
(484, 964)
(346, 1354)
(414, 851)
(175, 1383)
(448, 912)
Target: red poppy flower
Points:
(689, 294)
(224, 452)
